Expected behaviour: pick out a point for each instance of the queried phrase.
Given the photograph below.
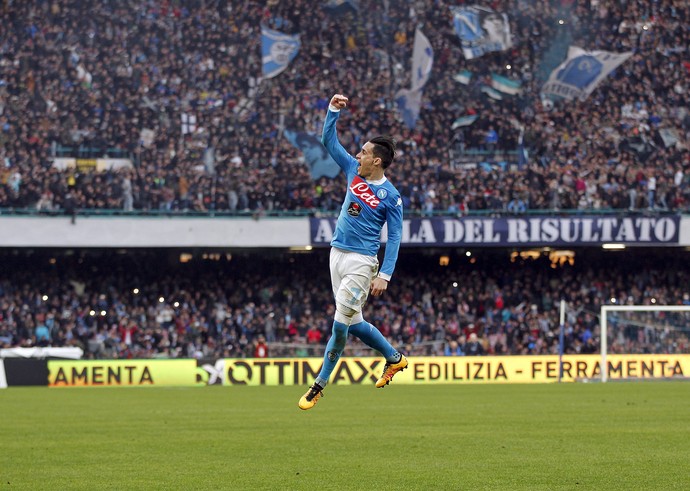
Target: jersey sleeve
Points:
(329, 138)
(394, 220)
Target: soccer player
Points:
(370, 202)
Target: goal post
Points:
(604, 324)
(561, 339)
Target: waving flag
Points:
(410, 100)
(277, 51)
(464, 77)
(422, 60)
(409, 104)
(491, 92)
(505, 84)
(315, 154)
(341, 7)
(481, 30)
(464, 121)
(188, 123)
(582, 72)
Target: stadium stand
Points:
(176, 90)
(146, 304)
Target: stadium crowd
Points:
(177, 87)
(142, 305)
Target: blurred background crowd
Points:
(142, 305)
(176, 87)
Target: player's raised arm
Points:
(329, 137)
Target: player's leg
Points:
(348, 290)
(349, 298)
(334, 348)
(371, 336)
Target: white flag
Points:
(422, 60)
(146, 137)
(410, 100)
(188, 123)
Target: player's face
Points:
(367, 162)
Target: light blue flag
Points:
(581, 72)
(464, 77)
(409, 104)
(523, 156)
(491, 92)
(481, 30)
(464, 121)
(315, 154)
(505, 84)
(277, 51)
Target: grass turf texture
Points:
(508, 437)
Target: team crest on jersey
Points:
(381, 194)
(354, 209)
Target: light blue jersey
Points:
(368, 205)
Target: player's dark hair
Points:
(384, 149)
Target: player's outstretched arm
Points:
(329, 137)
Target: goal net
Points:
(645, 342)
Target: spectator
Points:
(260, 348)
(491, 139)
(473, 347)
(516, 205)
(452, 348)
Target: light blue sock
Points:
(334, 348)
(372, 337)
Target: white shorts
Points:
(351, 276)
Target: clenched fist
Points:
(339, 101)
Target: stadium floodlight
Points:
(643, 328)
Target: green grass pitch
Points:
(624, 436)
